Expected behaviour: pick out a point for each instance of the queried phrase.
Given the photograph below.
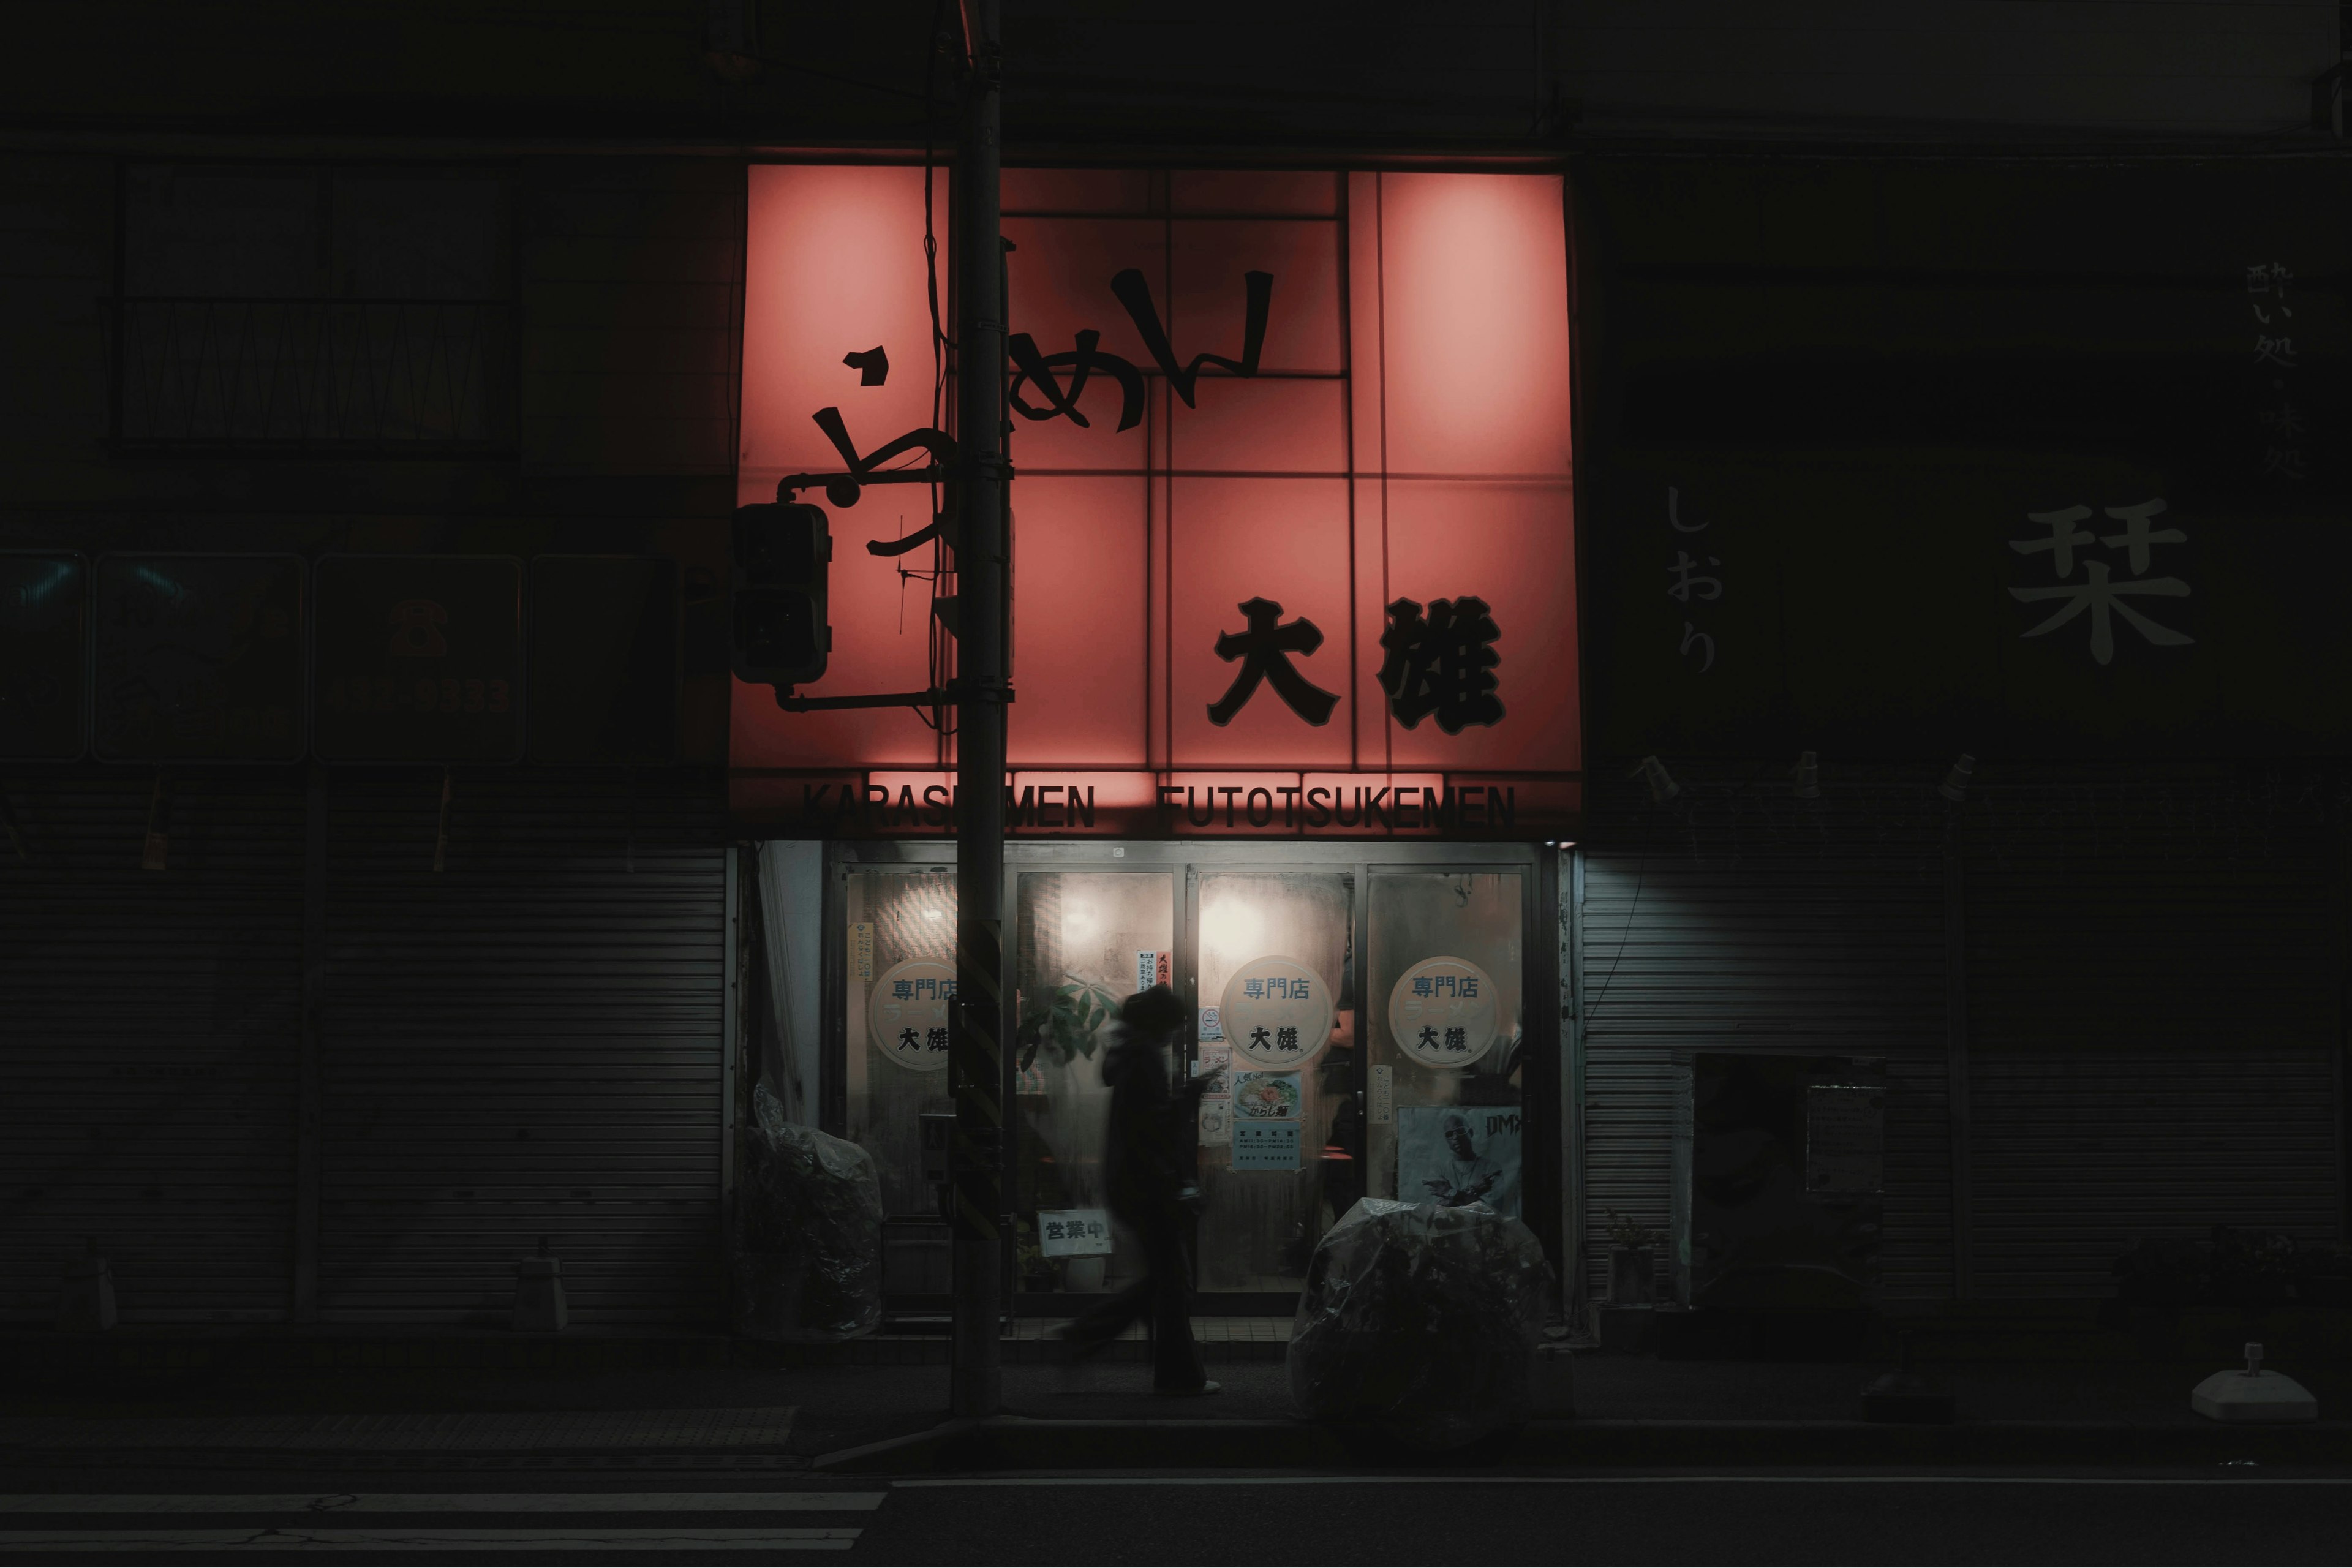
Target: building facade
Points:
(396, 877)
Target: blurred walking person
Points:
(1145, 1178)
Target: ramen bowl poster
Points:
(1266, 1095)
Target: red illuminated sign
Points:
(917, 805)
(1292, 498)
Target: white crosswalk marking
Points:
(321, 1504)
(394, 1537)
(580, 1522)
(1621, 1480)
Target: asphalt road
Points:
(763, 1519)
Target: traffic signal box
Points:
(778, 634)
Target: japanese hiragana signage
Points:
(2035, 513)
(2274, 364)
(1276, 1012)
(1442, 1012)
(906, 1013)
(1292, 496)
(1696, 583)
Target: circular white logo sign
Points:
(906, 1013)
(1442, 1012)
(1278, 1012)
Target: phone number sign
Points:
(419, 658)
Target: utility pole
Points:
(976, 1058)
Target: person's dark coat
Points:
(1144, 1162)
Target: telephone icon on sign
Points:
(416, 629)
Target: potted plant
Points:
(1062, 1023)
(1633, 1261)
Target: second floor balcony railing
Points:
(396, 375)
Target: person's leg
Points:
(1107, 1321)
(1176, 1360)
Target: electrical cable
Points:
(1640, 875)
(935, 649)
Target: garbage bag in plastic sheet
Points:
(809, 1263)
(1421, 1320)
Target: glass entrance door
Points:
(1445, 1121)
(1280, 1144)
(899, 970)
(1365, 1003)
(1084, 940)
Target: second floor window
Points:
(278, 306)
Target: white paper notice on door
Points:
(1265, 1145)
(1214, 1062)
(1384, 1095)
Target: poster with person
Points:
(1453, 1155)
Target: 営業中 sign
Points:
(1073, 1233)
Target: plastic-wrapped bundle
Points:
(1422, 1320)
(809, 1267)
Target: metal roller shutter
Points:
(526, 1043)
(152, 1024)
(1738, 918)
(2078, 1152)
(2152, 1000)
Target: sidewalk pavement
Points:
(1628, 1410)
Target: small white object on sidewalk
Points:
(2253, 1394)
